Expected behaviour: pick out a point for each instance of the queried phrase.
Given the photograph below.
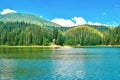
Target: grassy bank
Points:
(31, 46)
(58, 46)
(95, 46)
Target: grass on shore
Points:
(58, 46)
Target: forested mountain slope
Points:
(25, 29)
(83, 35)
(27, 18)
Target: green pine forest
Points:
(23, 33)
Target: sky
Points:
(68, 12)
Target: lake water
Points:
(59, 64)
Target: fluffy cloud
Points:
(74, 22)
(105, 25)
(79, 20)
(41, 17)
(5, 11)
(63, 22)
(69, 22)
(96, 23)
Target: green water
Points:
(59, 64)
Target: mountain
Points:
(28, 18)
(21, 33)
(113, 36)
(83, 35)
(101, 28)
(32, 19)
(26, 29)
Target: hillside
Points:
(28, 18)
(101, 28)
(92, 35)
(32, 19)
(113, 37)
(83, 35)
(20, 33)
(26, 29)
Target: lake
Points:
(59, 64)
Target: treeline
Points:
(92, 35)
(112, 37)
(21, 33)
(83, 35)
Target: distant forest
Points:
(21, 33)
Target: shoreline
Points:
(31, 46)
(58, 46)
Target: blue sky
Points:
(92, 11)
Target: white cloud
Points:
(105, 25)
(63, 22)
(79, 20)
(96, 23)
(41, 17)
(5, 11)
(74, 22)
(69, 22)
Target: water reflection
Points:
(42, 53)
(6, 71)
(59, 64)
(68, 68)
